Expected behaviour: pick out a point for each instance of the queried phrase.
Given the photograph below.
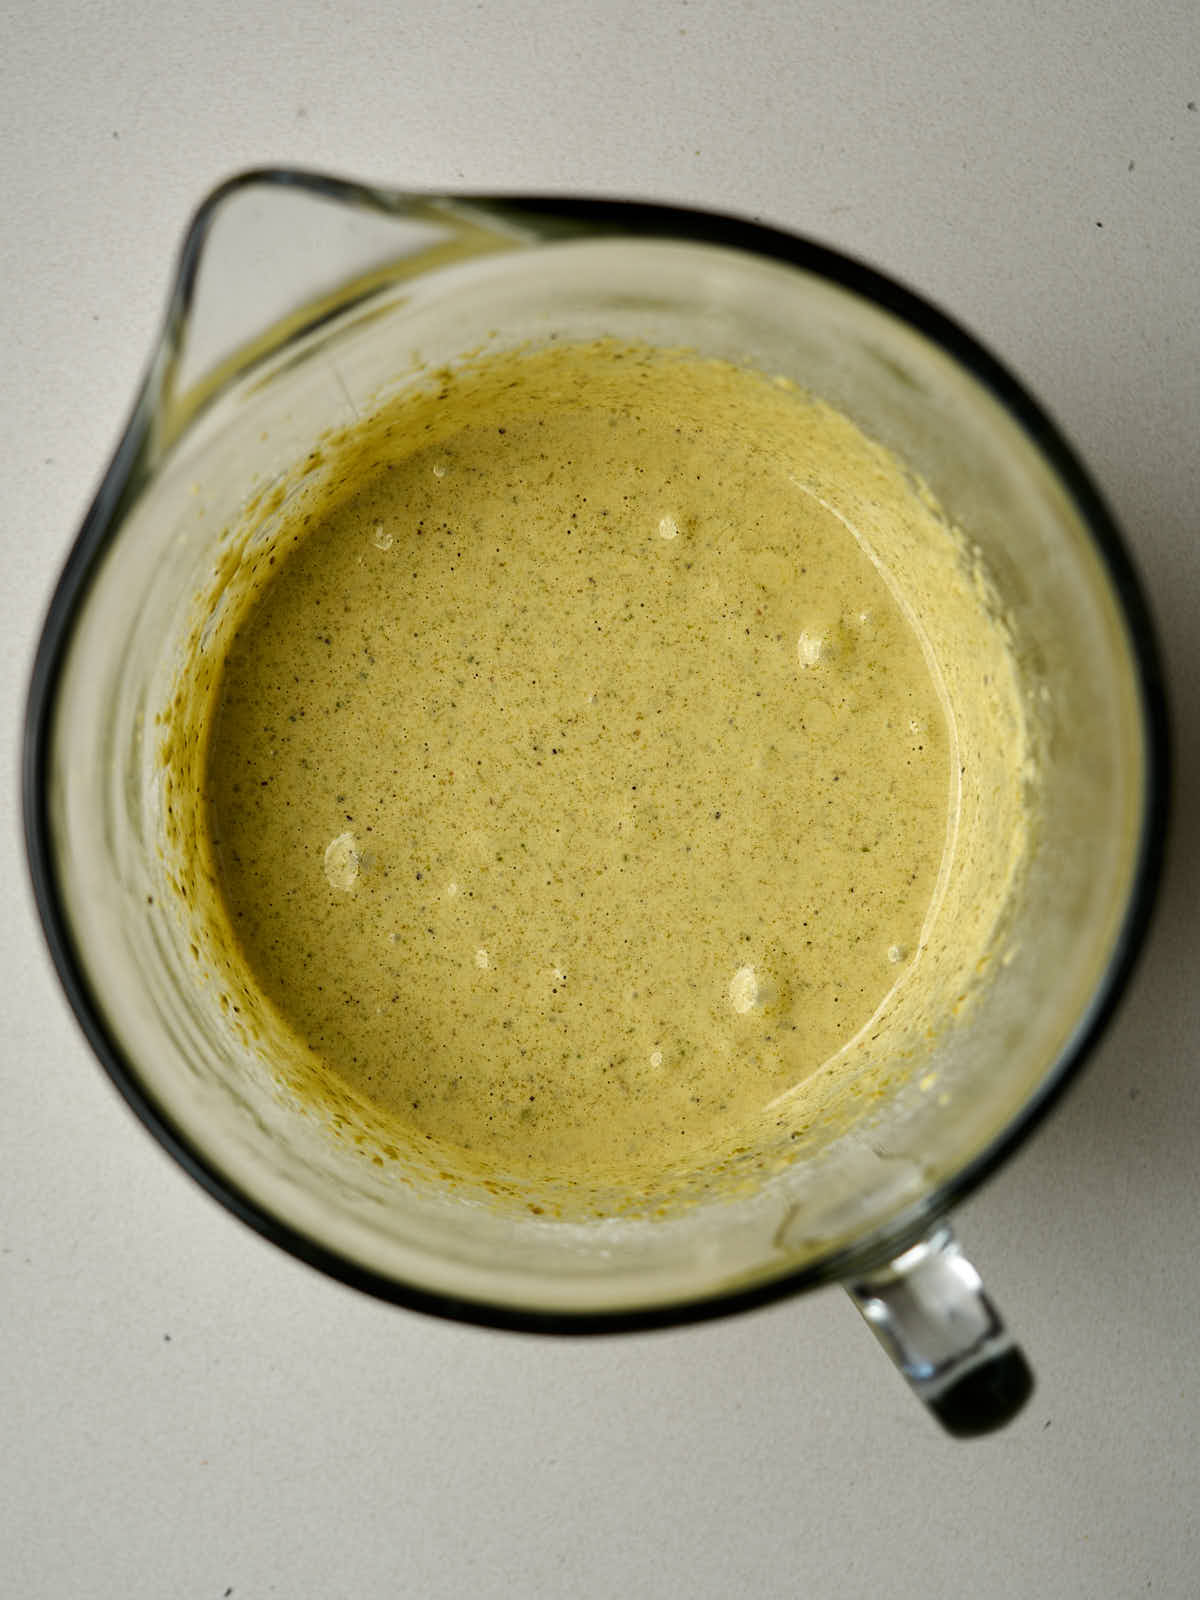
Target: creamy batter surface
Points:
(581, 780)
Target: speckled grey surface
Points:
(186, 1411)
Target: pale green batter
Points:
(579, 784)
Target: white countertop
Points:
(188, 1412)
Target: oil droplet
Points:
(341, 862)
(743, 990)
(809, 647)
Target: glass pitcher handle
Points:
(929, 1311)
